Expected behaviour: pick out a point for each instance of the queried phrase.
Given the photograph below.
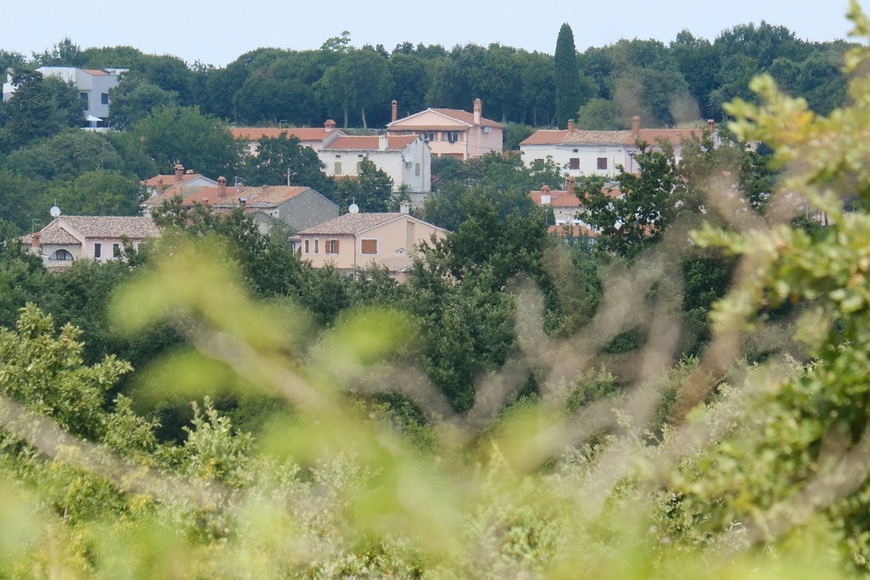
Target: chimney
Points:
(570, 125)
(711, 125)
(569, 185)
(405, 207)
(243, 201)
(478, 111)
(34, 241)
(635, 126)
(159, 185)
(222, 187)
(395, 112)
(329, 125)
(179, 172)
(382, 142)
(189, 172)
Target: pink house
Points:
(357, 240)
(451, 132)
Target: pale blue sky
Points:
(218, 31)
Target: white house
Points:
(584, 152)
(101, 238)
(93, 86)
(406, 159)
(315, 137)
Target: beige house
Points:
(451, 132)
(358, 240)
(100, 238)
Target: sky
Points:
(217, 32)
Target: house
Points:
(100, 238)
(179, 182)
(406, 159)
(450, 132)
(566, 205)
(584, 152)
(93, 86)
(297, 206)
(315, 137)
(358, 240)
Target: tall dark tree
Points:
(567, 76)
(40, 107)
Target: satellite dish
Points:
(409, 158)
(54, 211)
(354, 208)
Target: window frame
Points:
(367, 242)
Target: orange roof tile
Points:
(370, 143)
(557, 198)
(301, 133)
(169, 180)
(255, 197)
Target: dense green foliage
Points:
(524, 406)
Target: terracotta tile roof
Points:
(464, 119)
(467, 117)
(351, 223)
(111, 226)
(577, 137)
(584, 137)
(370, 143)
(96, 72)
(255, 197)
(651, 136)
(557, 198)
(302, 133)
(55, 233)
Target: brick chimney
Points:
(570, 125)
(159, 185)
(711, 125)
(179, 173)
(222, 187)
(395, 110)
(34, 241)
(569, 184)
(635, 126)
(478, 111)
(329, 125)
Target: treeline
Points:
(665, 83)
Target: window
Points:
(416, 169)
(116, 250)
(104, 98)
(452, 136)
(602, 163)
(62, 256)
(369, 247)
(316, 246)
(428, 136)
(83, 96)
(337, 168)
(305, 243)
(98, 250)
(574, 163)
(331, 246)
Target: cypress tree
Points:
(567, 77)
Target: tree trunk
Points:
(363, 112)
(345, 116)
